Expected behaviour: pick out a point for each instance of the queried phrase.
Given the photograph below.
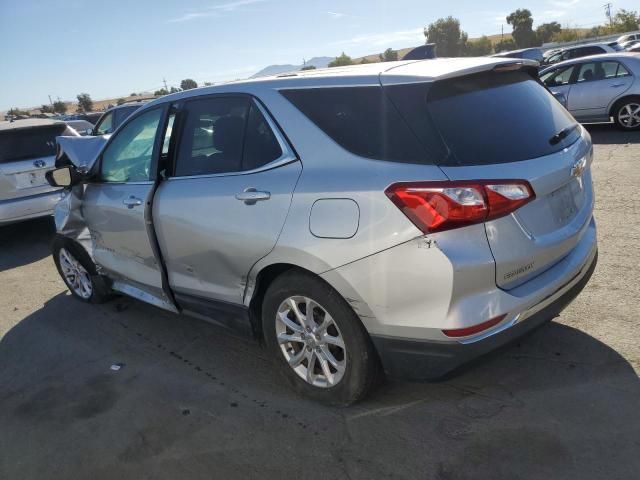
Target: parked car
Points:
(529, 53)
(629, 44)
(634, 48)
(113, 118)
(582, 51)
(91, 117)
(399, 244)
(630, 36)
(27, 152)
(80, 126)
(599, 88)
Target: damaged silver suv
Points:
(402, 217)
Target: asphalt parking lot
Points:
(192, 401)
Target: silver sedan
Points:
(598, 88)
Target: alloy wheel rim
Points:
(75, 275)
(311, 341)
(629, 115)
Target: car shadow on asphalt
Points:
(185, 395)
(608, 133)
(37, 233)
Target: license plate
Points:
(563, 204)
(30, 179)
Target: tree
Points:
(364, 61)
(134, 94)
(120, 101)
(341, 61)
(308, 67)
(85, 104)
(446, 34)
(174, 90)
(188, 84)
(523, 34)
(566, 35)
(17, 112)
(161, 92)
(546, 31)
(389, 55)
(625, 21)
(59, 107)
(46, 109)
(208, 84)
(479, 47)
(505, 45)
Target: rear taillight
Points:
(438, 206)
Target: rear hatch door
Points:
(504, 125)
(26, 154)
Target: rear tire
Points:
(626, 114)
(333, 340)
(79, 272)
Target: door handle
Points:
(616, 85)
(132, 201)
(250, 196)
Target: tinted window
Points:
(127, 158)
(360, 119)
(25, 143)
(260, 144)
(496, 118)
(212, 137)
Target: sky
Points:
(109, 49)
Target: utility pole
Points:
(165, 84)
(502, 32)
(50, 101)
(607, 12)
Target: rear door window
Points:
(224, 134)
(588, 72)
(487, 118)
(212, 137)
(260, 144)
(26, 143)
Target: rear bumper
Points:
(25, 208)
(428, 360)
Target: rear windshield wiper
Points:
(562, 134)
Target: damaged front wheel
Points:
(79, 272)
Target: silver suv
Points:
(27, 152)
(401, 217)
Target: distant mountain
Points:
(318, 62)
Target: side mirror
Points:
(88, 131)
(60, 177)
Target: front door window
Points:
(127, 158)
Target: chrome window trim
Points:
(288, 155)
(279, 162)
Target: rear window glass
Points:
(25, 143)
(487, 118)
(362, 120)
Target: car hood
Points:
(80, 151)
